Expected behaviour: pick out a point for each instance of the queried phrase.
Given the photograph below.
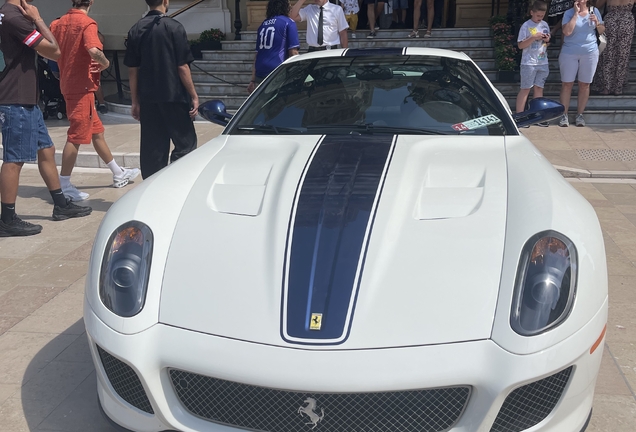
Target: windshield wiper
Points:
(265, 128)
(371, 129)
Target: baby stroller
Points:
(51, 100)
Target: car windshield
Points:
(375, 94)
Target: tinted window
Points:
(390, 94)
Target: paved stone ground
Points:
(47, 380)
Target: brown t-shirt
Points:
(18, 39)
(76, 33)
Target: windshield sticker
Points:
(477, 123)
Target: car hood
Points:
(341, 242)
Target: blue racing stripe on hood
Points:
(331, 225)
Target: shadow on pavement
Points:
(59, 391)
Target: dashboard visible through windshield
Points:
(417, 95)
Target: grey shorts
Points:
(583, 65)
(534, 76)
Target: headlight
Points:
(546, 284)
(123, 280)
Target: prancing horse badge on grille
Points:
(316, 321)
(310, 411)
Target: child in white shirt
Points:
(533, 39)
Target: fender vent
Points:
(529, 405)
(266, 409)
(125, 382)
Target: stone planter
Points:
(508, 76)
(198, 47)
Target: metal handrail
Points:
(185, 8)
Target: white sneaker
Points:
(580, 121)
(127, 174)
(73, 194)
(353, 35)
(564, 122)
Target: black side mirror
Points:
(540, 110)
(215, 112)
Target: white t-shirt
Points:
(350, 6)
(537, 52)
(333, 21)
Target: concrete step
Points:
(446, 33)
(223, 66)
(204, 89)
(220, 77)
(604, 117)
(598, 103)
(555, 77)
(228, 55)
(434, 42)
(248, 55)
(554, 87)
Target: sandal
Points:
(428, 33)
(414, 34)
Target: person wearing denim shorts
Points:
(533, 39)
(579, 55)
(24, 135)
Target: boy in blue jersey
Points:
(276, 40)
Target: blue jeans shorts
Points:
(535, 75)
(23, 133)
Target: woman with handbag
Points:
(579, 55)
(613, 66)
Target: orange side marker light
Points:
(599, 340)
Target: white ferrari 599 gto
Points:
(370, 246)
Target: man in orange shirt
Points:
(81, 63)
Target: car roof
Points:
(362, 52)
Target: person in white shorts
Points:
(533, 39)
(579, 55)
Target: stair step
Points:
(433, 42)
(479, 32)
(605, 103)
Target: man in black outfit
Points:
(164, 99)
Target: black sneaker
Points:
(70, 211)
(19, 228)
(543, 124)
(102, 108)
(371, 35)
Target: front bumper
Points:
(492, 373)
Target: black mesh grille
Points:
(125, 382)
(264, 409)
(531, 404)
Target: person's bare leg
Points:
(102, 149)
(522, 98)
(430, 14)
(69, 157)
(584, 96)
(378, 9)
(417, 6)
(99, 95)
(371, 16)
(48, 169)
(566, 95)
(537, 92)
(9, 181)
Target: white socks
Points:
(65, 181)
(115, 169)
